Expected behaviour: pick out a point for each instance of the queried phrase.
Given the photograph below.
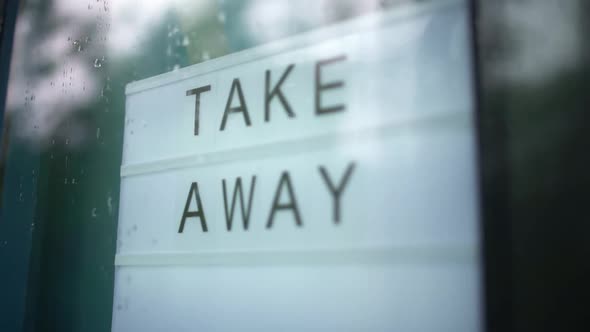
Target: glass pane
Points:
(253, 164)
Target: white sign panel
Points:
(325, 181)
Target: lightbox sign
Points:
(322, 181)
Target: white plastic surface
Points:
(405, 253)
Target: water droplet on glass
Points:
(205, 55)
(221, 17)
(185, 41)
(97, 133)
(173, 31)
(97, 63)
(176, 67)
(110, 205)
(77, 46)
(93, 213)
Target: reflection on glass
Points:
(71, 64)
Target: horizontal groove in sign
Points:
(454, 120)
(401, 255)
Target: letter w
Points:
(229, 213)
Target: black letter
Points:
(292, 205)
(198, 92)
(276, 91)
(336, 192)
(242, 108)
(194, 190)
(319, 87)
(229, 216)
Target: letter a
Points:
(193, 191)
(285, 181)
(235, 86)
